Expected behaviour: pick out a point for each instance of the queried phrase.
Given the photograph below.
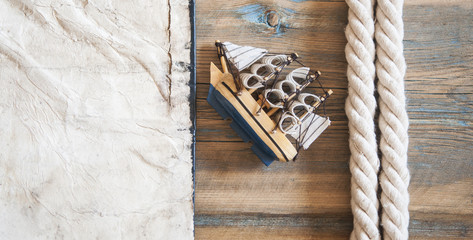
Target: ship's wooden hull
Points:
(268, 145)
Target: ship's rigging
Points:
(281, 97)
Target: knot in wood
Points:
(272, 19)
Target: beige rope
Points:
(360, 108)
(393, 121)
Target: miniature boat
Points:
(267, 108)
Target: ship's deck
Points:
(238, 197)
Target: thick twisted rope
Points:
(360, 108)
(393, 121)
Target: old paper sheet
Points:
(95, 138)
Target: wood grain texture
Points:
(237, 197)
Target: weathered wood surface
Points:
(237, 197)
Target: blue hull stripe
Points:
(243, 129)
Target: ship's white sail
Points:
(299, 75)
(310, 129)
(243, 56)
(288, 123)
(274, 60)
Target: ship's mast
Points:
(226, 64)
(221, 56)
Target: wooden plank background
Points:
(237, 197)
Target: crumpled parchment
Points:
(95, 138)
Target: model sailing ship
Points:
(263, 94)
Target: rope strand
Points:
(360, 108)
(393, 120)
